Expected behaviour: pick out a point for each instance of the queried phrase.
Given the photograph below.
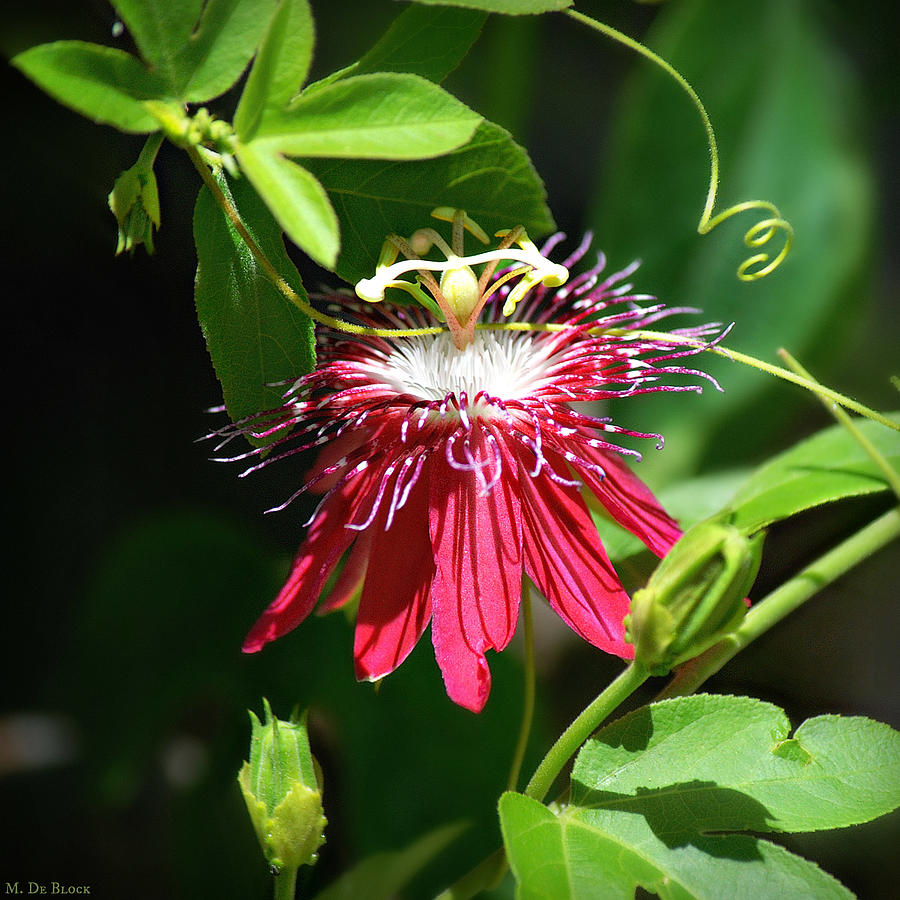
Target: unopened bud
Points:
(134, 201)
(695, 597)
(282, 791)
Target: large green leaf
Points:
(655, 794)
(423, 40)
(560, 857)
(510, 7)
(297, 201)
(491, 177)
(784, 115)
(102, 83)
(710, 763)
(281, 65)
(826, 467)
(378, 116)
(255, 337)
(198, 48)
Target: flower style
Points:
(452, 462)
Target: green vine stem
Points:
(758, 234)
(528, 692)
(890, 473)
(784, 600)
(590, 719)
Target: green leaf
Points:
(102, 83)
(655, 793)
(426, 41)
(509, 7)
(198, 48)
(386, 874)
(785, 122)
(711, 763)
(160, 30)
(378, 116)
(824, 468)
(281, 65)
(296, 199)
(256, 338)
(491, 177)
(561, 857)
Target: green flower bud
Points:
(281, 788)
(134, 201)
(695, 596)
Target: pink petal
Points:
(566, 560)
(325, 543)
(395, 606)
(351, 576)
(629, 501)
(477, 543)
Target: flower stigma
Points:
(460, 295)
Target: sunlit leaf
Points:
(297, 201)
(280, 67)
(102, 83)
(710, 763)
(658, 795)
(826, 467)
(198, 48)
(560, 856)
(378, 116)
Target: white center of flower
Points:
(503, 364)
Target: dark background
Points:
(134, 565)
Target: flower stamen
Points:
(461, 294)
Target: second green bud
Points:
(695, 596)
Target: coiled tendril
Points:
(760, 233)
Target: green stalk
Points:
(582, 728)
(784, 600)
(528, 699)
(286, 884)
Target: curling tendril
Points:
(759, 264)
